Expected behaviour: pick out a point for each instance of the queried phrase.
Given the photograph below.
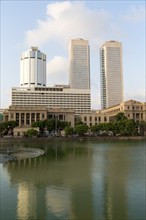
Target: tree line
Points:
(120, 126)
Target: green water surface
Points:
(76, 180)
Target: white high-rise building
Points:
(34, 92)
(33, 68)
(111, 74)
(79, 64)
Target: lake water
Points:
(76, 180)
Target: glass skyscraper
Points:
(111, 74)
(79, 66)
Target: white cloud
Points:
(64, 21)
(67, 20)
(135, 14)
(57, 71)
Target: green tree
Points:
(120, 123)
(142, 127)
(41, 125)
(96, 128)
(120, 117)
(103, 127)
(131, 127)
(51, 124)
(62, 125)
(78, 120)
(81, 129)
(6, 127)
(119, 127)
(38, 124)
(124, 126)
(69, 130)
(31, 132)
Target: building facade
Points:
(79, 64)
(53, 97)
(33, 90)
(25, 116)
(94, 118)
(132, 109)
(33, 68)
(111, 74)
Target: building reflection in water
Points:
(79, 183)
(110, 202)
(54, 185)
(26, 201)
(58, 201)
(113, 170)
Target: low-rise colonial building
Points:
(25, 115)
(95, 117)
(132, 109)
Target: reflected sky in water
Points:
(76, 180)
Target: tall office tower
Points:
(111, 74)
(33, 68)
(79, 65)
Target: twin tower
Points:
(33, 69)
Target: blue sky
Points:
(51, 25)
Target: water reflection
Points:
(58, 201)
(48, 185)
(82, 180)
(26, 201)
(112, 170)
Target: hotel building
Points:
(79, 64)
(53, 97)
(111, 74)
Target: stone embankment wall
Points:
(98, 138)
